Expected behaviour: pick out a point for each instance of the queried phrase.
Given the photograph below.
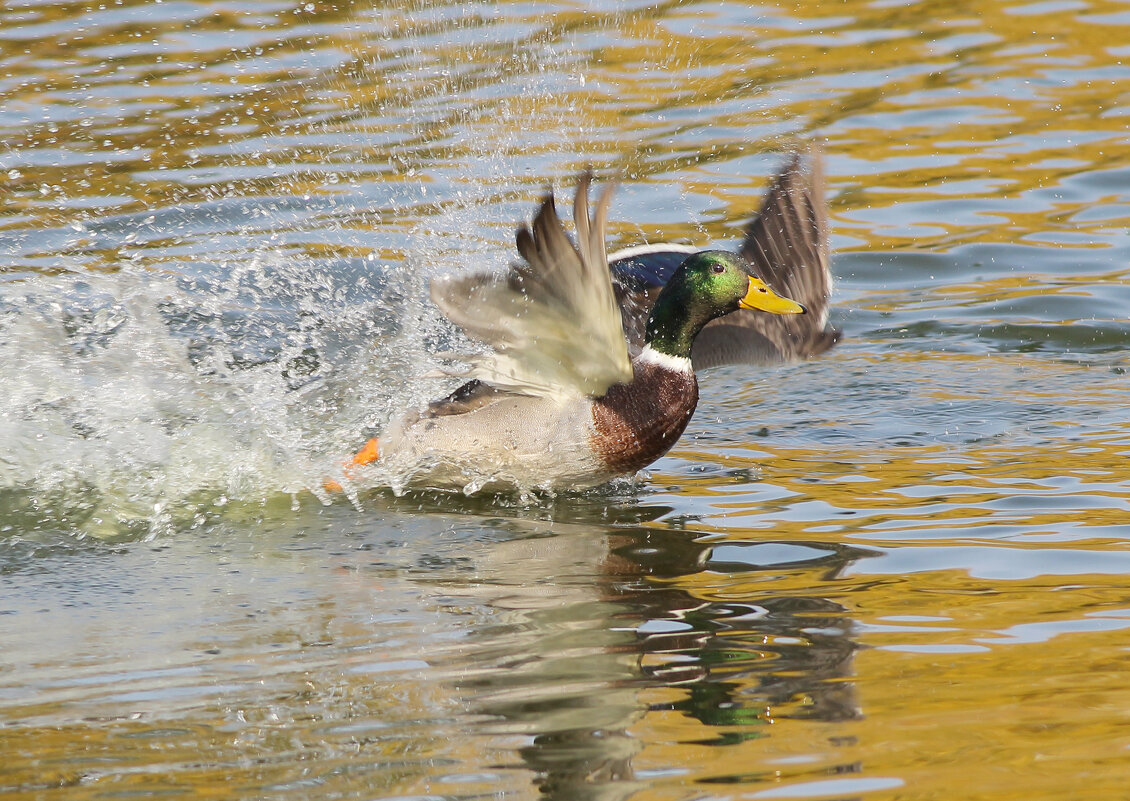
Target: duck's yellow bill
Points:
(762, 298)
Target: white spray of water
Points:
(129, 399)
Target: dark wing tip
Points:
(524, 241)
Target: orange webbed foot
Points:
(368, 454)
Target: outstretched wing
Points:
(786, 245)
(552, 323)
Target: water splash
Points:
(138, 399)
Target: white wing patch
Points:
(552, 324)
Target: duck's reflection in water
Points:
(605, 634)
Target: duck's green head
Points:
(707, 285)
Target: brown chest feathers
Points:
(639, 422)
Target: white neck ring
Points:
(679, 364)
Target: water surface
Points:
(897, 571)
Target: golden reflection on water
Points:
(925, 491)
(1003, 683)
(968, 108)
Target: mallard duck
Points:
(786, 245)
(561, 399)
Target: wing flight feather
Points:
(552, 323)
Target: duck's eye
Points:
(717, 269)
